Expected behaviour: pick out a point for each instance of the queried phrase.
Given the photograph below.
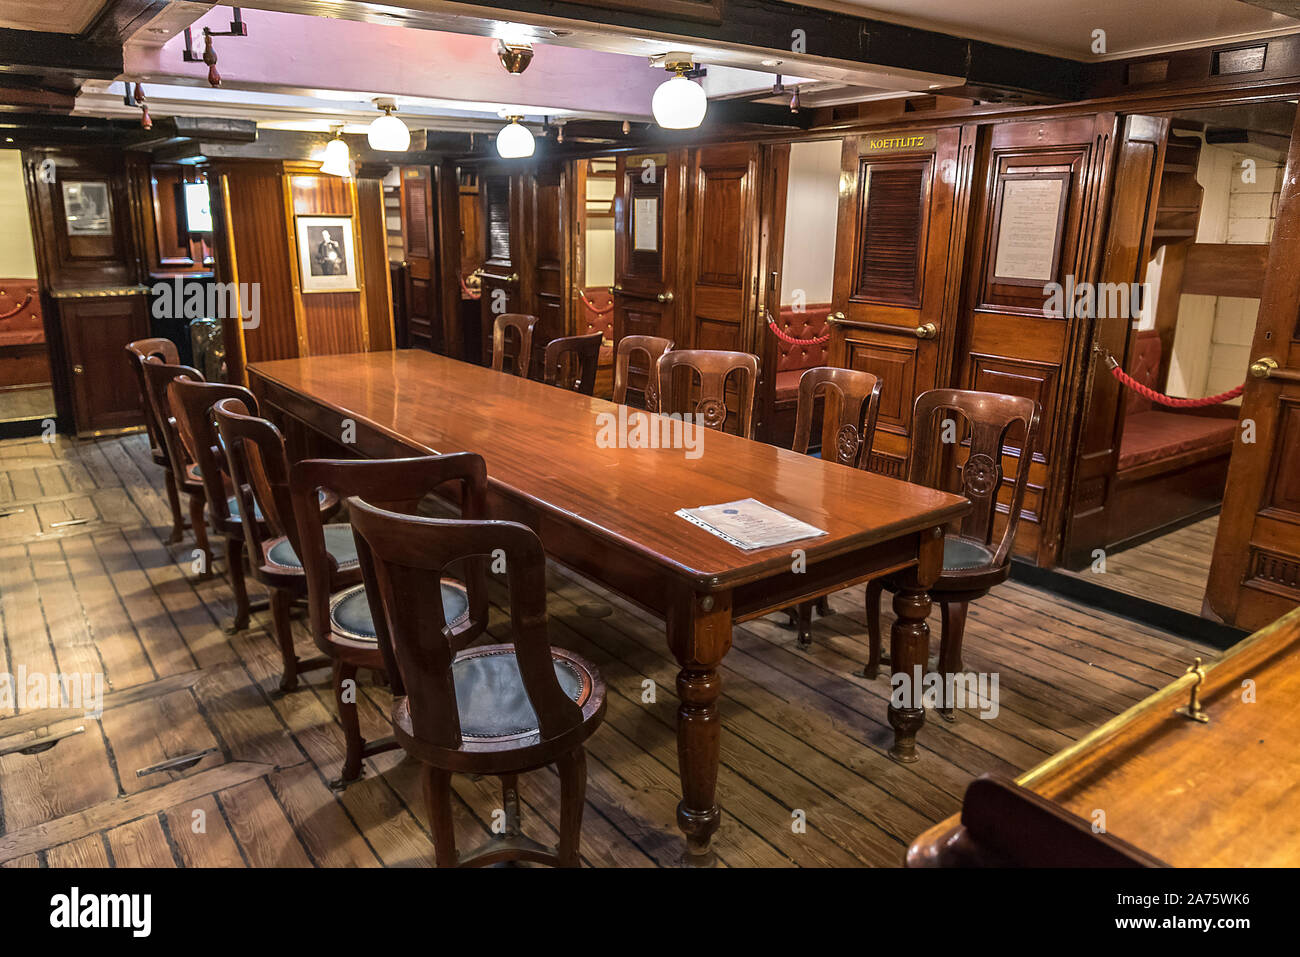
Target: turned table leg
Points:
(699, 634)
(909, 645)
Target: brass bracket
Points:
(1193, 710)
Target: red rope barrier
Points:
(791, 340)
(1170, 401)
(19, 308)
(590, 305)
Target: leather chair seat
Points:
(960, 554)
(232, 506)
(490, 695)
(350, 611)
(338, 542)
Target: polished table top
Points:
(540, 444)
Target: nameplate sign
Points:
(899, 143)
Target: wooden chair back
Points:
(137, 352)
(403, 558)
(522, 328)
(652, 347)
(397, 485)
(191, 402)
(990, 417)
(713, 368)
(157, 377)
(852, 398)
(259, 470)
(570, 362)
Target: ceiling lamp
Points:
(387, 132)
(515, 141)
(338, 158)
(679, 104)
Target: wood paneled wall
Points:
(256, 205)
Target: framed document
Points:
(645, 224)
(1031, 213)
(86, 210)
(326, 254)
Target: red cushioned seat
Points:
(792, 361)
(1152, 436)
(20, 313)
(787, 384)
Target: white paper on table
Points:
(749, 524)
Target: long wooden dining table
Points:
(608, 513)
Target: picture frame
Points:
(1029, 222)
(327, 256)
(87, 208)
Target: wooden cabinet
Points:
(105, 395)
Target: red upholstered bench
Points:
(793, 361)
(597, 315)
(23, 359)
(1173, 464)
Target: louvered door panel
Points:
(893, 222)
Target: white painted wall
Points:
(600, 235)
(811, 210)
(1212, 340)
(17, 255)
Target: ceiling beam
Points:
(1288, 8)
(843, 41)
(35, 53)
(119, 20)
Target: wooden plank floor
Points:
(803, 738)
(1171, 570)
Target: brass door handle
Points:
(616, 290)
(836, 317)
(513, 277)
(665, 296)
(79, 369)
(1269, 368)
(1263, 368)
(927, 331)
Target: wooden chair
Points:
(713, 367)
(500, 709)
(652, 347)
(165, 350)
(191, 403)
(522, 326)
(259, 471)
(972, 561)
(340, 614)
(851, 401)
(570, 362)
(185, 471)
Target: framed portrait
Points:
(85, 209)
(327, 257)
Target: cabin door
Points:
(506, 281)
(1034, 232)
(898, 269)
(422, 300)
(1255, 573)
(647, 234)
(550, 221)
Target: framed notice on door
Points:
(1030, 217)
(645, 224)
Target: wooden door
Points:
(550, 219)
(105, 393)
(507, 284)
(422, 298)
(647, 232)
(1255, 573)
(1006, 343)
(898, 268)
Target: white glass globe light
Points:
(679, 104)
(388, 133)
(515, 141)
(337, 158)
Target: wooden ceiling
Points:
(63, 16)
